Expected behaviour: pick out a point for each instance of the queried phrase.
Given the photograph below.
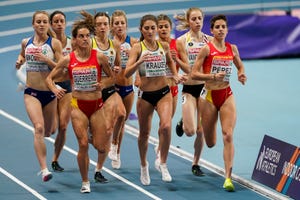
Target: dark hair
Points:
(143, 20)
(102, 14)
(86, 22)
(55, 13)
(164, 17)
(215, 18)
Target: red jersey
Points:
(84, 75)
(218, 61)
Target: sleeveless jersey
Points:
(84, 74)
(193, 48)
(172, 46)
(155, 65)
(125, 47)
(68, 48)
(218, 61)
(110, 53)
(33, 65)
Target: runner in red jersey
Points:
(84, 67)
(214, 65)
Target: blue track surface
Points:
(267, 104)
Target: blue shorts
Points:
(44, 97)
(124, 90)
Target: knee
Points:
(143, 136)
(189, 131)
(63, 127)
(83, 145)
(210, 144)
(39, 129)
(227, 136)
(122, 114)
(165, 128)
(101, 148)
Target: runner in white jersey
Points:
(58, 25)
(40, 53)
(150, 58)
(124, 86)
(113, 105)
(188, 46)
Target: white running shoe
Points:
(165, 173)
(46, 175)
(85, 187)
(116, 164)
(145, 177)
(113, 152)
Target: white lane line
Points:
(117, 4)
(13, 178)
(14, 2)
(213, 168)
(72, 151)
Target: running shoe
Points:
(46, 175)
(228, 185)
(113, 152)
(179, 128)
(197, 171)
(99, 178)
(56, 167)
(85, 187)
(116, 164)
(145, 177)
(165, 173)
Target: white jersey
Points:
(68, 48)
(33, 65)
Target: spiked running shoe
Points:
(228, 185)
(56, 167)
(116, 164)
(112, 154)
(197, 171)
(179, 128)
(99, 178)
(145, 177)
(166, 177)
(85, 187)
(46, 175)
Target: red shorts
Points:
(174, 90)
(216, 97)
(88, 107)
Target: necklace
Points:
(151, 46)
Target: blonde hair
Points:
(117, 13)
(183, 20)
(49, 32)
